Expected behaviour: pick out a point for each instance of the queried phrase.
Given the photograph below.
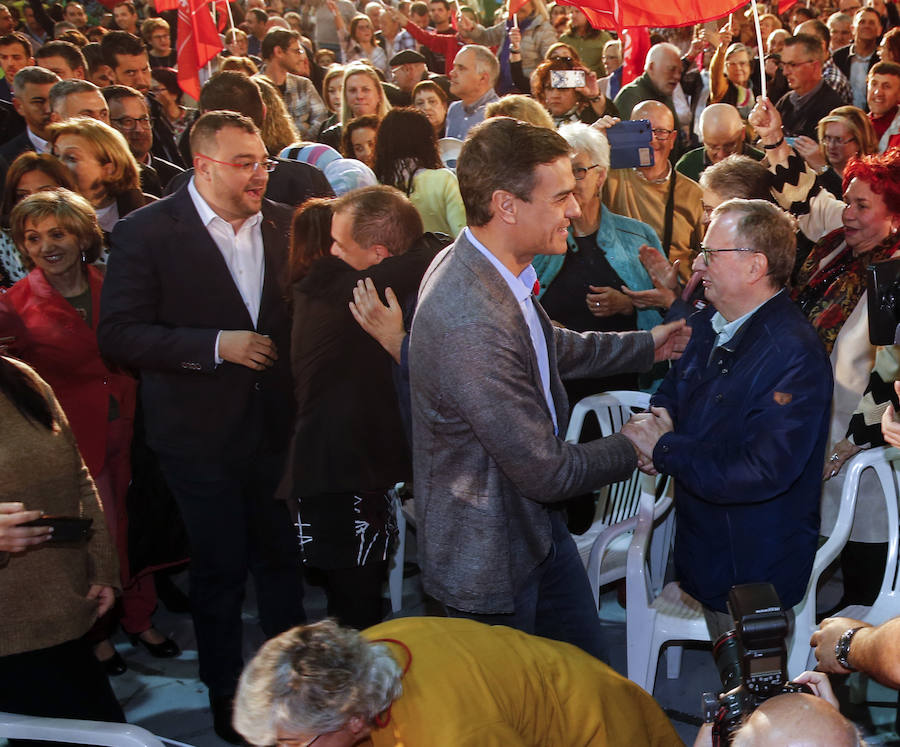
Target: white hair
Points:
(658, 51)
(583, 138)
(314, 679)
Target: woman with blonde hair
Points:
(361, 95)
(519, 106)
(843, 133)
(103, 168)
(58, 307)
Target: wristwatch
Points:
(842, 648)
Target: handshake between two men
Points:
(646, 428)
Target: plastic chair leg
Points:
(673, 662)
(395, 575)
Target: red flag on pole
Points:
(198, 43)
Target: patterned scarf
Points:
(828, 296)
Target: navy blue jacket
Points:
(751, 424)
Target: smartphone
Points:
(790, 140)
(629, 144)
(65, 528)
(567, 79)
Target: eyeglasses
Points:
(835, 140)
(706, 252)
(247, 168)
(131, 123)
(793, 65)
(660, 133)
(296, 742)
(581, 171)
(562, 59)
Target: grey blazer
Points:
(486, 460)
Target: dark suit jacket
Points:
(841, 58)
(167, 294)
(349, 434)
(10, 151)
(291, 183)
(11, 122)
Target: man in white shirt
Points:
(194, 299)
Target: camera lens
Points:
(727, 655)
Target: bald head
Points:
(658, 113)
(663, 65)
(796, 720)
(722, 130)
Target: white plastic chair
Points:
(655, 619)
(15, 726)
(604, 546)
(885, 462)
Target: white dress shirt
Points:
(242, 251)
(522, 288)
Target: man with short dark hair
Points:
(287, 68)
(63, 58)
(7, 21)
(741, 421)
(77, 98)
(194, 299)
(291, 182)
(127, 57)
(831, 73)
(810, 98)
(129, 114)
(15, 53)
(489, 408)
(257, 20)
(126, 17)
(860, 57)
(74, 13)
(883, 98)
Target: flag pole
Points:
(230, 17)
(762, 57)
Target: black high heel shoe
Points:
(168, 649)
(114, 665)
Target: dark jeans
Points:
(235, 525)
(63, 681)
(556, 600)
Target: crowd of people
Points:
(391, 243)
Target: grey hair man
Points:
(77, 98)
(730, 405)
(32, 101)
(662, 73)
(472, 79)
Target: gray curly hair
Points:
(314, 679)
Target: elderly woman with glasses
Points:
(582, 289)
(844, 133)
(729, 75)
(437, 681)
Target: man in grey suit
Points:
(489, 408)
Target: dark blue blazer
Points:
(751, 423)
(167, 294)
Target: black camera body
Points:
(751, 659)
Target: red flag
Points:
(162, 5)
(198, 43)
(516, 5)
(635, 45)
(617, 14)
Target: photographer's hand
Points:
(890, 424)
(825, 639)
(819, 683)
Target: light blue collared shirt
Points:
(522, 288)
(725, 330)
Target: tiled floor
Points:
(166, 697)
